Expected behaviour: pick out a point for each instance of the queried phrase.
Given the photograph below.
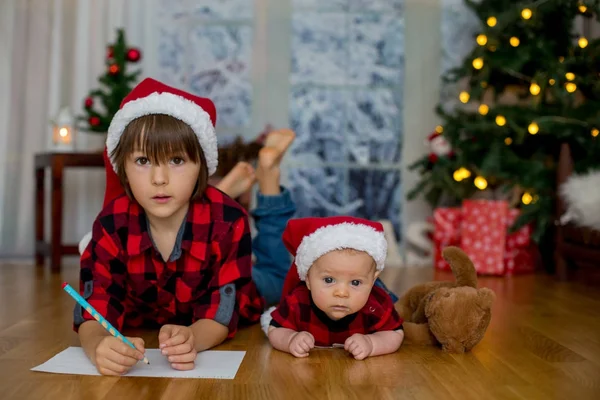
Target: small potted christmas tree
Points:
(101, 104)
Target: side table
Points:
(57, 162)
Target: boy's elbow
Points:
(399, 337)
(221, 333)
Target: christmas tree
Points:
(530, 84)
(102, 104)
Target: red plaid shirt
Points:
(125, 279)
(298, 312)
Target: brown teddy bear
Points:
(453, 314)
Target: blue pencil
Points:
(88, 307)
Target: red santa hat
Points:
(307, 239)
(153, 97)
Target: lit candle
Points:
(63, 131)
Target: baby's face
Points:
(340, 282)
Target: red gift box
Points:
(520, 250)
(480, 228)
(483, 236)
(446, 232)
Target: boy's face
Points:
(163, 190)
(340, 282)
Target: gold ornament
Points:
(526, 13)
(535, 89)
(461, 173)
(480, 183)
(464, 97)
(533, 128)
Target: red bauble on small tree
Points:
(94, 121)
(133, 55)
(100, 105)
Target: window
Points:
(342, 92)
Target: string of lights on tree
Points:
(528, 85)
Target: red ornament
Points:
(433, 158)
(94, 121)
(113, 69)
(133, 55)
(89, 102)
(110, 52)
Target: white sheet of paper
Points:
(209, 364)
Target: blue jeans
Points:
(273, 261)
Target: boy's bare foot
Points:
(279, 141)
(267, 171)
(239, 180)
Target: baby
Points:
(330, 297)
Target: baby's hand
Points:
(301, 343)
(113, 357)
(177, 343)
(360, 346)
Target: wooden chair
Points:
(575, 246)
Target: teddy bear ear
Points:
(485, 298)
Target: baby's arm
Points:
(298, 344)
(386, 342)
(374, 344)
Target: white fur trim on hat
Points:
(175, 106)
(265, 320)
(341, 236)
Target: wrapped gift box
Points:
(480, 228)
(446, 232)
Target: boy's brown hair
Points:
(160, 137)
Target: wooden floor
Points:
(543, 343)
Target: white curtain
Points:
(57, 50)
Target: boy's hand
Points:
(301, 343)
(360, 346)
(113, 357)
(177, 343)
